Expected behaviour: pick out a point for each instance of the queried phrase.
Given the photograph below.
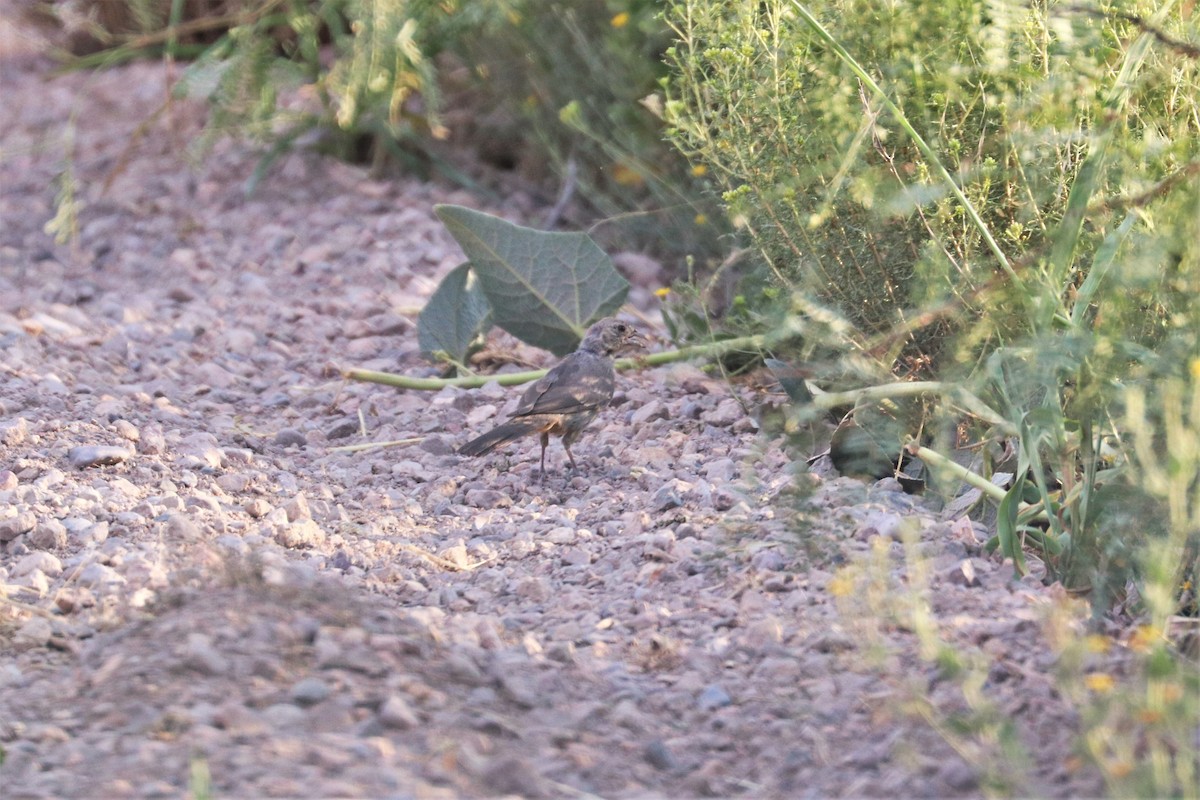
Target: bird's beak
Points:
(636, 341)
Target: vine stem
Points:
(748, 343)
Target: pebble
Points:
(290, 437)
(180, 528)
(49, 534)
(202, 656)
(665, 498)
(97, 456)
(655, 409)
(14, 432)
(659, 756)
(284, 716)
(99, 576)
(712, 698)
(18, 525)
(488, 498)
(397, 713)
(127, 430)
(34, 632)
(47, 563)
(302, 533)
(309, 691)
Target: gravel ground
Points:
(200, 583)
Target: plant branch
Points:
(516, 378)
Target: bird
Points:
(568, 397)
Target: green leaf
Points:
(1006, 527)
(544, 288)
(455, 316)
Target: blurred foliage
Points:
(845, 208)
(551, 91)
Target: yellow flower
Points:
(1143, 639)
(842, 584)
(699, 170)
(1099, 682)
(663, 292)
(620, 20)
(1096, 643)
(701, 219)
(1194, 368)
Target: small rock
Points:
(289, 437)
(34, 632)
(561, 535)
(14, 432)
(963, 574)
(92, 533)
(659, 756)
(343, 429)
(152, 441)
(576, 557)
(49, 535)
(764, 632)
(727, 412)
(480, 414)
(397, 713)
(180, 528)
(12, 527)
(712, 698)
(721, 470)
(665, 498)
(202, 656)
(302, 533)
(99, 576)
(437, 445)
(8, 480)
(310, 691)
(235, 482)
(959, 776)
(127, 430)
(97, 456)
(511, 775)
(284, 716)
(198, 450)
(879, 523)
(488, 498)
(257, 508)
(47, 563)
(457, 555)
(653, 410)
(297, 508)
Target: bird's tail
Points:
(503, 434)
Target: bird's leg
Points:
(570, 457)
(545, 441)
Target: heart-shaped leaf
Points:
(455, 317)
(544, 288)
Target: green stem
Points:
(954, 392)
(515, 378)
(935, 460)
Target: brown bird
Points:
(569, 396)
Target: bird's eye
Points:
(621, 329)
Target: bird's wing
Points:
(581, 382)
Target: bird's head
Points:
(611, 337)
